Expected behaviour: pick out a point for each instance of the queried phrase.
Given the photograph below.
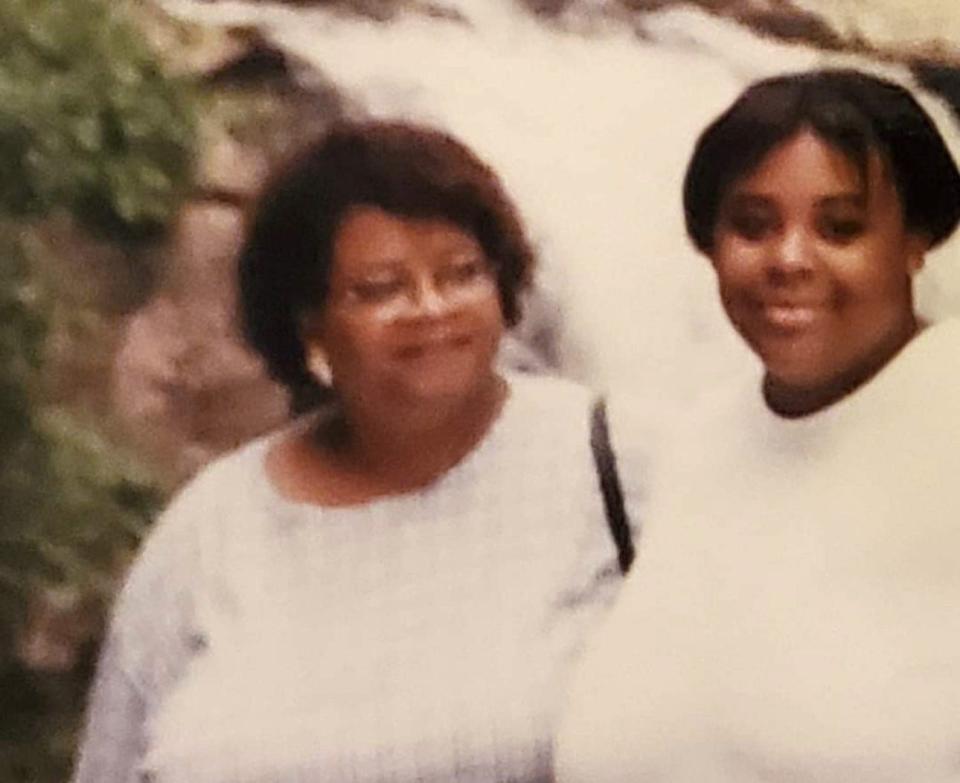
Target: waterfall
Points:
(591, 130)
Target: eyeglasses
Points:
(401, 291)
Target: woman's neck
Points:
(792, 401)
(401, 450)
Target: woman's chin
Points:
(442, 388)
(797, 363)
(445, 376)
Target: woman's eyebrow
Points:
(747, 198)
(383, 266)
(750, 198)
(458, 245)
(856, 198)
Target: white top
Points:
(794, 612)
(422, 637)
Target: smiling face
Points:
(413, 311)
(814, 267)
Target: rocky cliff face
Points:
(183, 381)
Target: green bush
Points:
(89, 123)
(92, 128)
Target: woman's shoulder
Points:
(920, 384)
(547, 389)
(946, 329)
(937, 346)
(217, 483)
(542, 406)
(197, 511)
(924, 383)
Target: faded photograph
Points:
(490, 391)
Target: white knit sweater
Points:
(422, 637)
(794, 613)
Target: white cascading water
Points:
(591, 131)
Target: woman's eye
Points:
(464, 271)
(751, 226)
(841, 230)
(375, 290)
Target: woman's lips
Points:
(791, 315)
(434, 345)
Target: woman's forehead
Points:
(369, 234)
(808, 154)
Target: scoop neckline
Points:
(895, 368)
(464, 466)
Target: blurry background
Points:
(133, 134)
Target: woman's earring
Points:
(318, 366)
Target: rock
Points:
(184, 382)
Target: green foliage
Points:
(88, 121)
(72, 505)
(22, 329)
(90, 127)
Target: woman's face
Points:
(814, 264)
(413, 310)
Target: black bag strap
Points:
(610, 485)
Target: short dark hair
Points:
(404, 169)
(854, 112)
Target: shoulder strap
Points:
(610, 485)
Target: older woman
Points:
(793, 611)
(391, 588)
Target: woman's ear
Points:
(315, 355)
(917, 245)
(317, 363)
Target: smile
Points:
(439, 344)
(791, 315)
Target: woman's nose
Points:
(426, 297)
(793, 254)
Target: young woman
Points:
(792, 615)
